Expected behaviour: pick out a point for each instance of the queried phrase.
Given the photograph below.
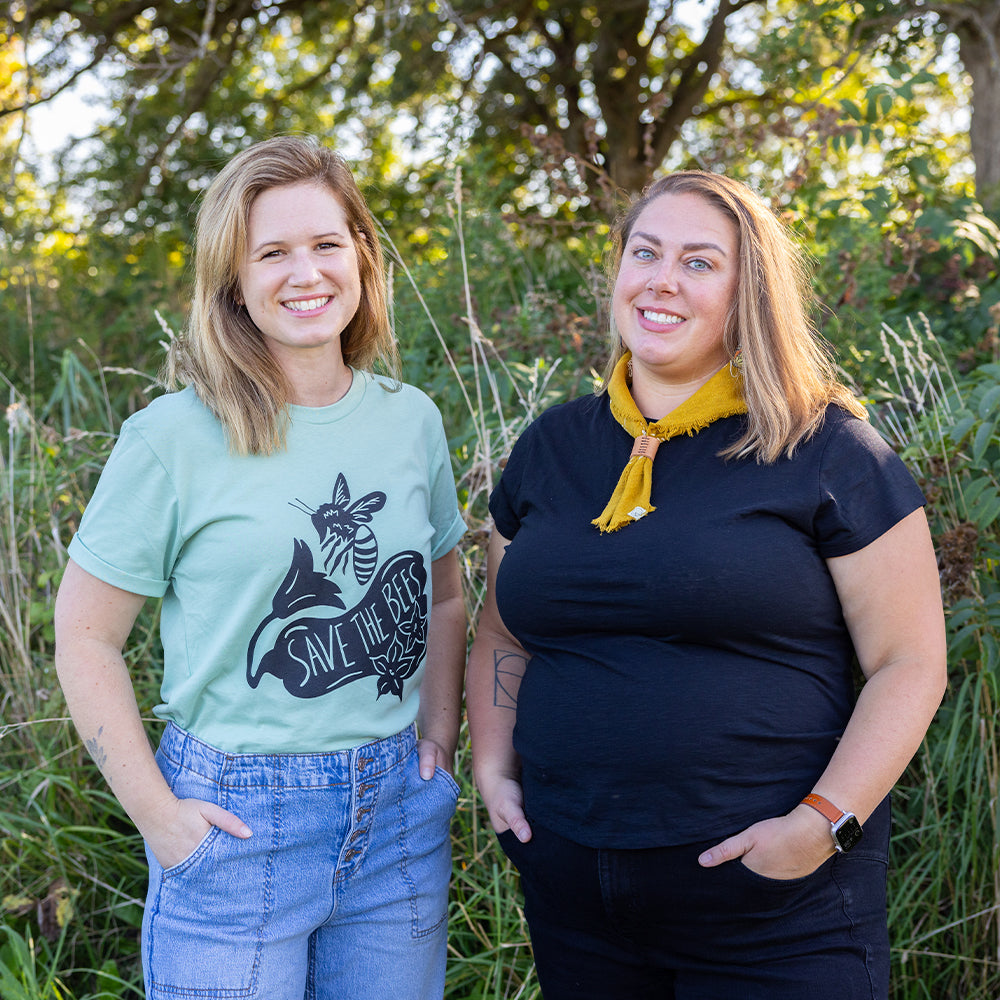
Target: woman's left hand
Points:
(432, 755)
(785, 847)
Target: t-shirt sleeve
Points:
(505, 501)
(865, 489)
(445, 516)
(128, 535)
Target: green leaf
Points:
(972, 491)
(850, 110)
(987, 512)
(981, 441)
(989, 404)
(992, 652)
(965, 422)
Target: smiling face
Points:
(675, 287)
(299, 278)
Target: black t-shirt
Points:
(691, 673)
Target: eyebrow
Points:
(278, 243)
(687, 248)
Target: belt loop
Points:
(182, 746)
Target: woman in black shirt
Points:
(661, 694)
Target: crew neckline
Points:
(333, 411)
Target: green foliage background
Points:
(500, 309)
(495, 329)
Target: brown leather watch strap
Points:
(825, 806)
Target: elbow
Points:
(941, 678)
(939, 657)
(933, 680)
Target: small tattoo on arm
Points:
(508, 671)
(96, 749)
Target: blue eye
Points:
(699, 264)
(643, 253)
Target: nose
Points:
(663, 277)
(304, 271)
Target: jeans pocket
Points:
(201, 848)
(426, 810)
(204, 916)
(204, 919)
(511, 846)
(755, 896)
(768, 880)
(440, 772)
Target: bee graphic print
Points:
(311, 640)
(343, 530)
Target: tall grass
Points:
(70, 869)
(72, 873)
(945, 884)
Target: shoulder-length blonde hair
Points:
(788, 374)
(223, 354)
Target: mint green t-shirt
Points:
(296, 586)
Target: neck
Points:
(315, 385)
(656, 398)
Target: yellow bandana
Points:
(719, 397)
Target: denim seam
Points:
(415, 930)
(863, 945)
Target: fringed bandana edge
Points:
(719, 397)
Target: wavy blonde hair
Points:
(789, 377)
(223, 354)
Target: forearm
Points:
(893, 711)
(497, 664)
(496, 667)
(440, 713)
(102, 704)
(92, 622)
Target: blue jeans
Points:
(610, 924)
(340, 894)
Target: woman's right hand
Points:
(181, 827)
(504, 800)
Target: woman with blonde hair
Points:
(297, 514)
(683, 571)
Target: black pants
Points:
(609, 924)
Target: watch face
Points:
(847, 832)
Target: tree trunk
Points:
(977, 26)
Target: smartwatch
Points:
(844, 826)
